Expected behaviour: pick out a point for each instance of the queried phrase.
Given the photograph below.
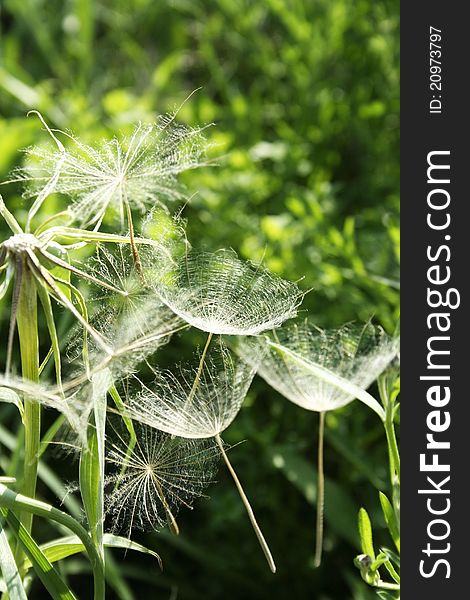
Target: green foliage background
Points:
(304, 95)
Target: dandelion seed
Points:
(200, 403)
(134, 322)
(221, 294)
(321, 371)
(133, 173)
(162, 474)
(167, 403)
(312, 367)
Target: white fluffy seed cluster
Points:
(293, 359)
(221, 294)
(141, 170)
(191, 404)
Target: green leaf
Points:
(47, 475)
(14, 501)
(113, 392)
(390, 519)
(365, 534)
(117, 541)
(47, 307)
(68, 546)
(39, 561)
(8, 567)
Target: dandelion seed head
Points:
(355, 353)
(191, 404)
(221, 294)
(161, 474)
(127, 314)
(142, 169)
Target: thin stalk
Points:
(170, 517)
(249, 510)
(27, 322)
(199, 369)
(392, 444)
(320, 493)
(15, 501)
(135, 252)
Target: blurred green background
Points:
(304, 95)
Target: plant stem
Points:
(135, 252)
(320, 493)
(27, 322)
(392, 444)
(15, 501)
(249, 510)
(199, 370)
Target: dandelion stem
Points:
(320, 493)
(199, 370)
(170, 517)
(249, 510)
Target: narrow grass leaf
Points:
(39, 561)
(92, 461)
(8, 567)
(68, 546)
(47, 308)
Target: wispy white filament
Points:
(161, 474)
(321, 370)
(141, 170)
(179, 405)
(221, 294)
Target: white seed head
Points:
(355, 354)
(160, 474)
(221, 294)
(141, 170)
(130, 317)
(194, 403)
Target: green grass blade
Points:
(12, 500)
(8, 567)
(68, 546)
(47, 308)
(39, 561)
(46, 475)
(127, 421)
